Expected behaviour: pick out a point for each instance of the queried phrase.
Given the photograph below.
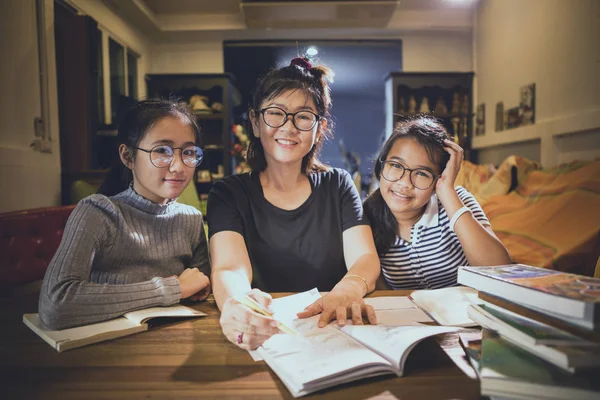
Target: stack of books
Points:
(541, 332)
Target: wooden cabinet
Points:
(446, 95)
(213, 96)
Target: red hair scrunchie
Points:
(301, 62)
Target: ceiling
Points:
(181, 21)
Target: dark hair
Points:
(136, 122)
(314, 81)
(430, 134)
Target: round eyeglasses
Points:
(161, 156)
(275, 117)
(420, 178)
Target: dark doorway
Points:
(358, 94)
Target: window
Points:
(132, 75)
(117, 80)
(116, 54)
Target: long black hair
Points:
(136, 122)
(430, 134)
(314, 81)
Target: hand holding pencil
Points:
(246, 324)
(258, 308)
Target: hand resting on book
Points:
(343, 301)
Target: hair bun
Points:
(301, 62)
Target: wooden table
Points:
(190, 359)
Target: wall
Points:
(436, 51)
(28, 179)
(190, 58)
(556, 45)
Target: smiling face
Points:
(286, 144)
(159, 185)
(404, 200)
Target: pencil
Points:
(258, 308)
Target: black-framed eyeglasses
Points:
(303, 120)
(420, 178)
(161, 156)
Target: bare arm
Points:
(479, 243)
(361, 258)
(231, 275)
(231, 269)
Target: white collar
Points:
(430, 216)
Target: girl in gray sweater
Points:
(134, 246)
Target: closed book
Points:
(508, 371)
(130, 323)
(560, 348)
(546, 318)
(564, 295)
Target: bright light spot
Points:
(312, 51)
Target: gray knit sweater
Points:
(120, 254)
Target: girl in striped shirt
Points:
(424, 227)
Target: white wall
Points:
(437, 52)
(556, 45)
(425, 52)
(189, 58)
(28, 179)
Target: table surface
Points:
(192, 359)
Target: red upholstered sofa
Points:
(28, 241)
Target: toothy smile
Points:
(398, 194)
(286, 142)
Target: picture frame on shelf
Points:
(480, 120)
(513, 118)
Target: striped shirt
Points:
(431, 259)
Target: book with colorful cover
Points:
(567, 295)
(509, 371)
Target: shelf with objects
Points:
(212, 97)
(448, 96)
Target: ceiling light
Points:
(312, 51)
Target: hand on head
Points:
(445, 183)
(340, 304)
(194, 284)
(244, 327)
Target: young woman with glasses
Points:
(291, 224)
(133, 246)
(424, 227)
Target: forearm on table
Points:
(69, 303)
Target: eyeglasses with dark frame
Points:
(420, 178)
(303, 120)
(162, 156)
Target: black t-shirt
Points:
(290, 250)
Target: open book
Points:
(319, 358)
(135, 321)
(447, 306)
